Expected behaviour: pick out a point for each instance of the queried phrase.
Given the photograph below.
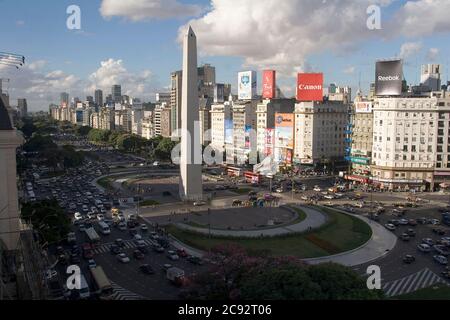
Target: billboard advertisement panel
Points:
(284, 130)
(363, 107)
(269, 142)
(310, 87)
(269, 84)
(248, 129)
(228, 131)
(219, 93)
(388, 78)
(246, 85)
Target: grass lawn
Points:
(105, 182)
(148, 203)
(436, 292)
(341, 233)
(242, 191)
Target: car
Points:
(445, 274)
(440, 259)
(146, 269)
(142, 247)
(422, 220)
(435, 222)
(390, 226)
(424, 248)
(412, 222)
(158, 249)
(439, 231)
(115, 249)
(428, 241)
(122, 226)
(144, 227)
(50, 274)
(404, 236)
(317, 189)
(137, 254)
(119, 242)
(172, 255)
(411, 232)
(78, 216)
(395, 222)
(409, 259)
(166, 266)
(195, 260)
(100, 217)
(91, 215)
(442, 250)
(403, 222)
(92, 264)
(82, 227)
(137, 237)
(182, 253)
(122, 257)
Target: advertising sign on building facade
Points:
(269, 84)
(284, 137)
(269, 142)
(310, 87)
(363, 107)
(388, 78)
(247, 85)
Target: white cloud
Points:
(38, 64)
(432, 54)
(422, 18)
(20, 23)
(409, 49)
(137, 10)
(350, 70)
(280, 34)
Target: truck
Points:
(103, 286)
(175, 275)
(92, 235)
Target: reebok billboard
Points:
(388, 78)
(310, 87)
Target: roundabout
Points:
(337, 237)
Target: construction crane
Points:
(11, 59)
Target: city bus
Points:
(103, 286)
(92, 235)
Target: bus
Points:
(102, 284)
(92, 235)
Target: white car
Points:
(122, 257)
(390, 226)
(91, 215)
(137, 237)
(172, 255)
(92, 264)
(317, 189)
(78, 216)
(329, 197)
(428, 241)
(403, 222)
(199, 203)
(100, 217)
(424, 247)
(440, 259)
(435, 222)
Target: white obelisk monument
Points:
(190, 158)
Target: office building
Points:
(116, 93)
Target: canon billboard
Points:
(388, 78)
(269, 84)
(310, 87)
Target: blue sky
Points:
(149, 51)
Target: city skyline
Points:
(81, 61)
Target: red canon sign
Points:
(310, 87)
(269, 84)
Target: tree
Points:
(164, 149)
(39, 143)
(82, 130)
(47, 218)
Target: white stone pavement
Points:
(313, 220)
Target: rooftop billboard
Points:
(269, 84)
(247, 85)
(363, 107)
(310, 87)
(388, 78)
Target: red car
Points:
(182, 253)
(87, 251)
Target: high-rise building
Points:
(165, 122)
(22, 107)
(175, 99)
(116, 93)
(64, 98)
(431, 76)
(163, 97)
(221, 125)
(98, 98)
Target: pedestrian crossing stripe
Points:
(128, 244)
(120, 293)
(419, 280)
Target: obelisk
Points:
(190, 158)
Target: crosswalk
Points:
(419, 280)
(123, 294)
(128, 244)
